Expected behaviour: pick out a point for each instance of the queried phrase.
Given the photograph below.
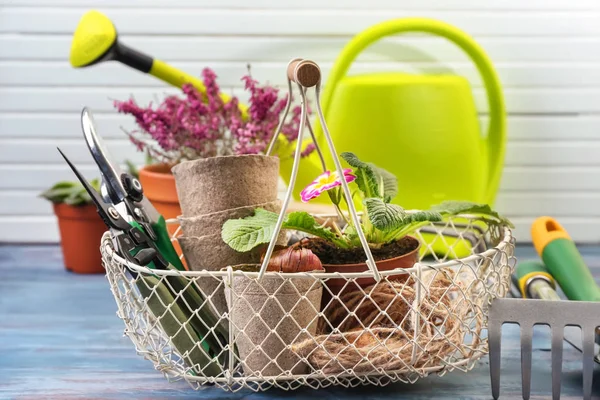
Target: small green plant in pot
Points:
(387, 227)
(80, 226)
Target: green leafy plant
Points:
(72, 193)
(382, 222)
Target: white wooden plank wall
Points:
(546, 52)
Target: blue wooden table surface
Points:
(60, 338)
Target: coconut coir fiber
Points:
(391, 328)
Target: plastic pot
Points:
(81, 230)
(340, 286)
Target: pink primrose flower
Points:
(327, 180)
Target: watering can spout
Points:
(96, 40)
(94, 36)
(422, 128)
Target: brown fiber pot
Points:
(81, 230)
(268, 317)
(403, 262)
(220, 183)
(212, 223)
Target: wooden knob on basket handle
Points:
(291, 67)
(306, 73)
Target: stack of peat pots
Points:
(212, 191)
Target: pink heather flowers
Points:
(327, 180)
(202, 126)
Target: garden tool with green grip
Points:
(96, 40)
(572, 321)
(563, 260)
(126, 193)
(535, 282)
(140, 236)
(172, 302)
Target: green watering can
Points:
(422, 128)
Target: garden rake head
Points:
(557, 315)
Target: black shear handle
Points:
(137, 248)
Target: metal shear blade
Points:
(118, 187)
(130, 242)
(111, 175)
(109, 215)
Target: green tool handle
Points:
(529, 273)
(182, 329)
(570, 271)
(151, 265)
(178, 78)
(164, 244)
(188, 309)
(563, 260)
(164, 71)
(526, 268)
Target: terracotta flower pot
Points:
(340, 286)
(221, 183)
(288, 309)
(404, 261)
(159, 187)
(81, 230)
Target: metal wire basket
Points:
(301, 343)
(243, 327)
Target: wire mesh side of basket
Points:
(317, 329)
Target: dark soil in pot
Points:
(329, 254)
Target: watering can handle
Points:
(496, 135)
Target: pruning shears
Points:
(125, 193)
(139, 235)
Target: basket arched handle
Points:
(496, 134)
(307, 74)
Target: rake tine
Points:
(557, 314)
(526, 348)
(557, 353)
(494, 342)
(588, 337)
